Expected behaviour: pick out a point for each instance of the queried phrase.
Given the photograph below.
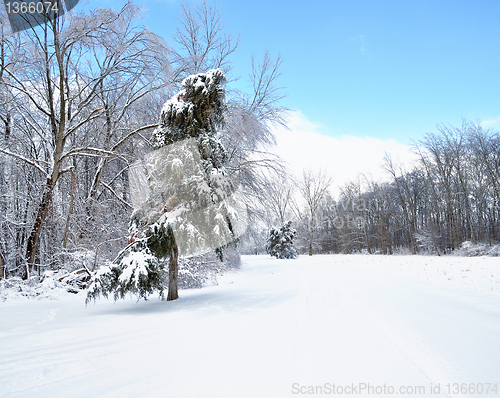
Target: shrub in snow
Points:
(280, 242)
(196, 272)
(471, 249)
(429, 240)
(72, 260)
(52, 285)
(78, 279)
(138, 272)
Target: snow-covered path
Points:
(275, 328)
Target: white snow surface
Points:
(271, 329)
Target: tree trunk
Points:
(70, 210)
(311, 242)
(367, 241)
(173, 271)
(2, 265)
(34, 238)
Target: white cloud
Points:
(495, 122)
(345, 157)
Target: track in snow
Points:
(265, 331)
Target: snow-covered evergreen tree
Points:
(280, 242)
(185, 204)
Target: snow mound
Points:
(469, 249)
(52, 285)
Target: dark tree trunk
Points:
(2, 264)
(34, 238)
(173, 271)
(311, 236)
(70, 210)
(367, 241)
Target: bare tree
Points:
(201, 42)
(313, 188)
(279, 197)
(267, 95)
(407, 200)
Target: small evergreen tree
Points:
(185, 204)
(280, 242)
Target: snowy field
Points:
(276, 328)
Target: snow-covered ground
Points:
(276, 328)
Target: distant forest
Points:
(451, 196)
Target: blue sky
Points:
(384, 69)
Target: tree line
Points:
(450, 196)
